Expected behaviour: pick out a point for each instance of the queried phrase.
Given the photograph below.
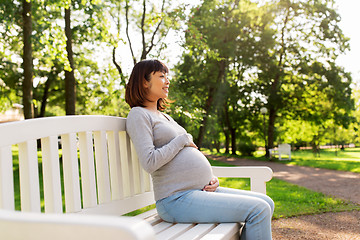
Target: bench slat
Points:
(88, 181)
(161, 226)
(114, 165)
(51, 126)
(29, 177)
(224, 231)
(174, 231)
(153, 219)
(51, 175)
(123, 140)
(150, 216)
(71, 173)
(102, 167)
(148, 181)
(129, 166)
(120, 207)
(198, 231)
(6, 179)
(138, 186)
(147, 214)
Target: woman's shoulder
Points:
(138, 112)
(137, 118)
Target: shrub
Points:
(247, 148)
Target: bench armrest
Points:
(258, 175)
(273, 150)
(39, 226)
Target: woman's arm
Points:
(139, 128)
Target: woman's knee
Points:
(262, 210)
(271, 204)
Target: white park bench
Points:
(89, 184)
(282, 149)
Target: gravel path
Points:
(327, 226)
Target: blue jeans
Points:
(223, 205)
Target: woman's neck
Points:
(152, 106)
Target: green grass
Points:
(347, 160)
(290, 199)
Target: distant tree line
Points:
(67, 57)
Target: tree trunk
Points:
(127, 29)
(227, 141)
(230, 128)
(27, 86)
(275, 86)
(233, 140)
(209, 103)
(207, 109)
(271, 130)
(45, 97)
(70, 84)
(118, 67)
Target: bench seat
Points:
(184, 231)
(80, 188)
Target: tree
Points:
(27, 61)
(218, 46)
(146, 25)
(70, 82)
(307, 42)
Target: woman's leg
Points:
(204, 207)
(248, 193)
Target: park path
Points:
(325, 226)
(345, 185)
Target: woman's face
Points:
(158, 87)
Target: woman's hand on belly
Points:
(212, 186)
(192, 145)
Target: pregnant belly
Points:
(190, 167)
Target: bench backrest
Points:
(93, 169)
(284, 148)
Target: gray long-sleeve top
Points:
(161, 145)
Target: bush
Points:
(247, 148)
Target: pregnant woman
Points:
(184, 186)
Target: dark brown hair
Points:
(136, 93)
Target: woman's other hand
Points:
(213, 185)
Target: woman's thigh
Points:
(248, 193)
(223, 205)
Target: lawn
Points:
(290, 199)
(341, 160)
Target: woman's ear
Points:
(147, 80)
(146, 84)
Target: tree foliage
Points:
(281, 55)
(237, 56)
